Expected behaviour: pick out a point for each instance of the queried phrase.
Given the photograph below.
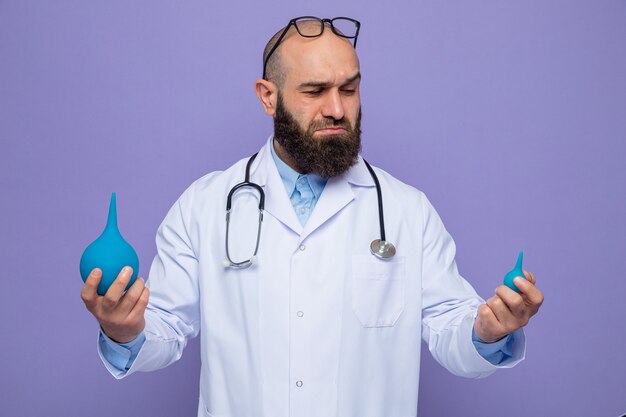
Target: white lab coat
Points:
(318, 327)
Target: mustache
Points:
(328, 123)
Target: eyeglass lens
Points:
(312, 27)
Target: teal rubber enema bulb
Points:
(516, 272)
(110, 252)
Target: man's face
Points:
(317, 119)
(327, 155)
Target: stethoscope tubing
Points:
(229, 200)
(381, 217)
(379, 247)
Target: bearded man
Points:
(271, 262)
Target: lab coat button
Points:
(302, 247)
(298, 384)
(300, 313)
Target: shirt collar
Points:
(290, 176)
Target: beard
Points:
(327, 156)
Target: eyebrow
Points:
(324, 84)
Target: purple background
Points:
(511, 116)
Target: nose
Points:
(333, 105)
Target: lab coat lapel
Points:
(277, 202)
(336, 195)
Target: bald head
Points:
(295, 48)
(272, 68)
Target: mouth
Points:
(331, 131)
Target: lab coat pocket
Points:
(378, 290)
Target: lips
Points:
(332, 130)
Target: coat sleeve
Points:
(450, 306)
(173, 312)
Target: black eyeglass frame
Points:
(293, 22)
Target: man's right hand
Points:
(121, 315)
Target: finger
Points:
(115, 291)
(486, 313)
(529, 291)
(130, 298)
(488, 327)
(89, 292)
(137, 313)
(512, 299)
(511, 320)
(503, 313)
(499, 307)
(530, 276)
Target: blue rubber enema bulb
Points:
(516, 272)
(109, 252)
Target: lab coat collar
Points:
(277, 203)
(359, 175)
(337, 193)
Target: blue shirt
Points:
(304, 191)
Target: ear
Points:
(267, 92)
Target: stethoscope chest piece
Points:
(382, 249)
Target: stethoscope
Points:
(379, 247)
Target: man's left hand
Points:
(507, 310)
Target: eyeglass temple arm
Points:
(280, 38)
